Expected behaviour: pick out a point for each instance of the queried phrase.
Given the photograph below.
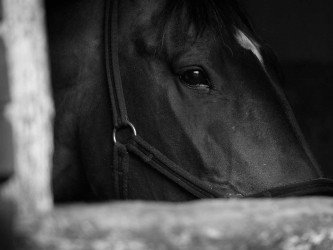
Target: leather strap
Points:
(321, 186)
(120, 117)
(159, 162)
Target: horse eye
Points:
(195, 78)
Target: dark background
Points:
(301, 34)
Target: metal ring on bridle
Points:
(128, 124)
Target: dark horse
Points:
(170, 100)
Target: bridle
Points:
(135, 144)
(153, 158)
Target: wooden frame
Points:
(218, 224)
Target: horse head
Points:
(200, 88)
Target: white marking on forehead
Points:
(248, 44)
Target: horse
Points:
(170, 100)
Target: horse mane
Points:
(221, 16)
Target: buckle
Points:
(123, 133)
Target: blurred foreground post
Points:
(30, 110)
(281, 224)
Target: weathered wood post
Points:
(6, 151)
(6, 147)
(30, 110)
